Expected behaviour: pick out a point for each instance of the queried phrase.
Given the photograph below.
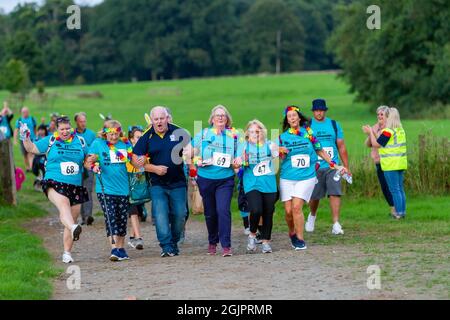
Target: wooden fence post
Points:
(7, 173)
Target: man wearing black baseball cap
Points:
(331, 136)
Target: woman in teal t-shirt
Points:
(260, 183)
(63, 176)
(108, 157)
(215, 151)
(298, 150)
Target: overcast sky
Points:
(8, 5)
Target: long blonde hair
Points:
(213, 111)
(263, 128)
(393, 119)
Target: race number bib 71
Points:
(300, 161)
(262, 169)
(69, 168)
(116, 159)
(222, 160)
(329, 151)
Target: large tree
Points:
(405, 63)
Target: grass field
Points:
(414, 250)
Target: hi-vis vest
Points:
(393, 155)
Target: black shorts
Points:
(136, 209)
(75, 194)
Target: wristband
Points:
(192, 173)
(332, 164)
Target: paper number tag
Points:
(300, 161)
(222, 160)
(114, 158)
(262, 169)
(329, 151)
(69, 168)
(4, 130)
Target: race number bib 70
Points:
(222, 160)
(262, 169)
(300, 161)
(69, 168)
(329, 151)
(116, 159)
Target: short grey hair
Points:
(384, 109)
(159, 108)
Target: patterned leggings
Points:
(116, 211)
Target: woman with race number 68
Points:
(63, 179)
(298, 150)
(215, 155)
(260, 182)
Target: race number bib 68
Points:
(115, 159)
(329, 151)
(300, 161)
(69, 168)
(222, 160)
(262, 169)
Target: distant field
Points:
(247, 97)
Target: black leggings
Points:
(261, 205)
(384, 187)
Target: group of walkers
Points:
(307, 154)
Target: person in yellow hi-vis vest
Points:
(393, 158)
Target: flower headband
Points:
(291, 108)
(112, 130)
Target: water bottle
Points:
(337, 176)
(23, 131)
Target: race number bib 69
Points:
(262, 169)
(329, 151)
(222, 160)
(116, 159)
(300, 161)
(69, 168)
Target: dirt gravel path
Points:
(321, 272)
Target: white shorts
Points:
(297, 189)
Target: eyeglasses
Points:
(220, 115)
(112, 130)
(132, 128)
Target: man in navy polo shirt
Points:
(163, 143)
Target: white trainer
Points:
(251, 245)
(247, 231)
(67, 257)
(337, 229)
(309, 225)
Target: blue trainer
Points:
(115, 255)
(299, 244)
(123, 255)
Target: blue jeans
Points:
(394, 181)
(169, 213)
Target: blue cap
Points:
(319, 104)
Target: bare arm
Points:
(343, 154)
(373, 140)
(30, 147)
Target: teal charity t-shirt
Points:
(326, 135)
(218, 149)
(4, 127)
(31, 124)
(113, 170)
(259, 171)
(300, 163)
(64, 160)
(88, 135)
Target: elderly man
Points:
(25, 118)
(163, 143)
(88, 179)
